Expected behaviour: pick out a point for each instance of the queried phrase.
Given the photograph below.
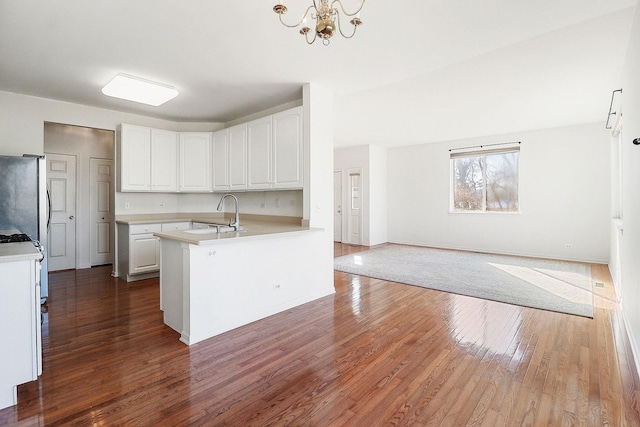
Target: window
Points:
(355, 190)
(485, 181)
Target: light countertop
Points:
(252, 226)
(249, 229)
(19, 251)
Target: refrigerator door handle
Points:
(48, 209)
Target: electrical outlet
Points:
(161, 204)
(277, 287)
(567, 245)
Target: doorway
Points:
(355, 207)
(102, 212)
(93, 235)
(337, 206)
(61, 184)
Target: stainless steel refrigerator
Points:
(24, 203)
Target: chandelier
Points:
(327, 19)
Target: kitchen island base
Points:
(215, 286)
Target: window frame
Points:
(483, 152)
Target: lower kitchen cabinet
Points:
(144, 253)
(20, 333)
(139, 249)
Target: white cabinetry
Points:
(275, 151)
(287, 149)
(263, 154)
(164, 163)
(144, 248)
(139, 249)
(195, 162)
(148, 159)
(259, 153)
(135, 158)
(20, 334)
(230, 159)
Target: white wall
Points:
(564, 197)
(630, 238)
(22, 120)
(318, 175)
(278, 203)
(378, 195)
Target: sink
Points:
(202, 231)
(214, 229)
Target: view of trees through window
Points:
(486, 182)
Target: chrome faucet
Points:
(236, 223)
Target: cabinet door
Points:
(135, 158)
(238, 157)
(195, 162)
(221, 160)
(164, 160)
(259, 153)
(144, 253)
(287, 149)
(19, 327)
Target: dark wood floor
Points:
(376, 353)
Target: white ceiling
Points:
(417, 71)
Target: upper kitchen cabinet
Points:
(259, 153)
(195, 162)
(287, 149)
(148, 159)
(275, 156)
(164, 161)
(135, 158)
(230, 159)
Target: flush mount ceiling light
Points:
(139, 90)
(327, 18)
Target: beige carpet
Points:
(539, 283)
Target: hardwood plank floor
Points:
(376, 353)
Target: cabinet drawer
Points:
(145, 228)
(170, 226)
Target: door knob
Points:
(71, 217)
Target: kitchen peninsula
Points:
(213, 282)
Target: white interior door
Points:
(355, 208)
(101, 214)
(337, 206)
(61, 183)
